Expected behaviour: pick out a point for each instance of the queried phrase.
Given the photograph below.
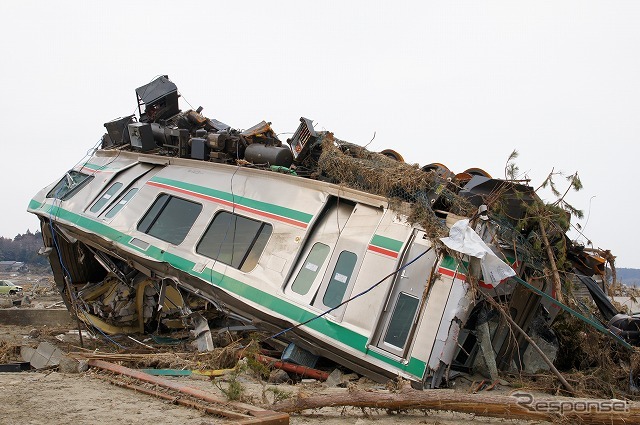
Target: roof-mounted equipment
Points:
(160, 99)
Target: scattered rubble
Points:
(513, 307)
(44, 356)
(314, 397)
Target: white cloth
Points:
(465, 240)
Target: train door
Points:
(399, 318)
(328, 266)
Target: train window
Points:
(340, 279)
(400, 324)
(310, 269)
(170, 218)
(105, 198)
(117, 207)
(69, 185)
(235, 240)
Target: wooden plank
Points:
(177, 400)
(268, 416)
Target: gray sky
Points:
(462, 83)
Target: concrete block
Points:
(36, 317)
(44, 356)
(68, 365)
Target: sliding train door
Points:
(399, 318)
(330, 261)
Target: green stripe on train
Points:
(247, 202)
(274, 303)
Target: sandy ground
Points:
(51, 397)
(56, 398)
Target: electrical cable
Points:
(235, 223)
(393, 273)
(66, 273)
(584, 227)
(57, 197)
(72, 299)
(185, 99)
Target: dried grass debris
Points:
(8, 352)
(355, 167)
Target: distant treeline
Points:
(23, 248)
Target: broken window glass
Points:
(235, 240)
(106, 197)
(69, 185)
(340, 279)
(117, 207)
(170, 218)
(310, 269)
(401, 320)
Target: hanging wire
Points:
(393, 273)
(185, 99)
(235, 223)
(66, 273)
(72, 297)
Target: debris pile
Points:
(425, 192)
(119, 293)
(526, 231)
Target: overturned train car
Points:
(179, 222)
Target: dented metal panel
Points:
(333, 271)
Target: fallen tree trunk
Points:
(523, 406)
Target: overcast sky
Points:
(460, 83)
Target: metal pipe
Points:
(293, 368)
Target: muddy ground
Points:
(52, 397)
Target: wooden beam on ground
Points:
(259, 415)
(177, 400)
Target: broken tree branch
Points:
(611, 260)
(557, 283)
(508, 318)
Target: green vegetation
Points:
(234, 391)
